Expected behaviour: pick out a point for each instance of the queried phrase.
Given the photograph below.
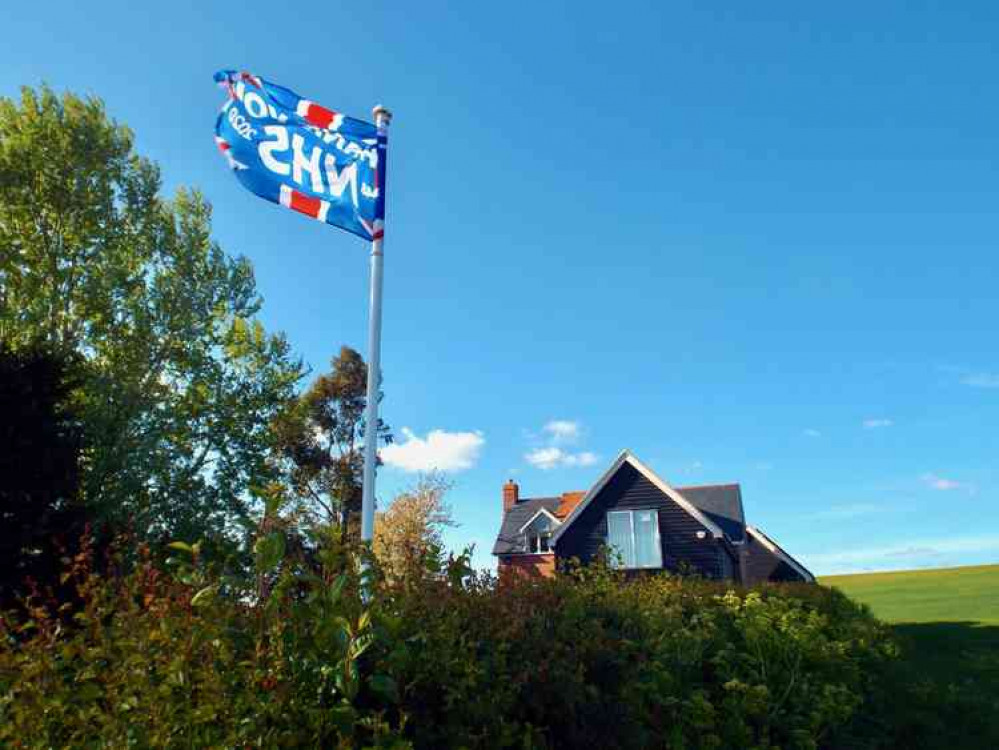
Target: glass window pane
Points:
(648, 553)
(540, 524)
(619, 537)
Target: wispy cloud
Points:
(852, 510)
(916, 553)
(811, 432)
(693, 467)
(874, 424)
(442, 450)
(943, 484)
(550, 447)
(981, 379)
(562, 430)
(553, 457)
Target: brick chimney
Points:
(511, 493)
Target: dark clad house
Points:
(649, 524)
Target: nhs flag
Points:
(296, 153)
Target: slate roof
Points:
(510, 540)
(722, 503)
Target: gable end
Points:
(685, 542)
(627, 458)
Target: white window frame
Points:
(552, 525)
(546, 535)
(631, 524)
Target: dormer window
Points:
(538, 534)
(539, 542)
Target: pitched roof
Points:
(510, 540)
(776, 549)
(569, 502)
(626, 457)
(717, 506)
(722, 503)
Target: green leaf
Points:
(88, 692)
(204, 596)
(269, 551)
(337, 588)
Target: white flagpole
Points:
(382, 119)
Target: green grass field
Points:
(947, 620)
(922, 596)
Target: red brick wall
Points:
(529, 566)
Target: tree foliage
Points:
(180, 381)
(40, 439)
(319, 441)
(408, 536)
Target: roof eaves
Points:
(546, 512)
(590, 494)
(775, 548)
(680, 500)
(626, 456)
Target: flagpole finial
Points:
(381, 114)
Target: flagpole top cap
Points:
(381, 115)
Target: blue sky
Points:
(752, 244)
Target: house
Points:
(650, 525)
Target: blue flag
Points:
(296, 153)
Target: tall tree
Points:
(409, 534)
(181, 381)
(320, 443)
(40, 512)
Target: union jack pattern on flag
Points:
(303, 156)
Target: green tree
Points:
(180, 380)
(320, 445)
(40, 513)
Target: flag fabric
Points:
(303, 156)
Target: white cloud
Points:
(811, 432)
(562, 430)
(874, 424)
(553, 457)
(946, 485)
(916, 553)
(550, 449)
(981, 380)
(442, 450)
(544, 458)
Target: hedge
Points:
(179, 656)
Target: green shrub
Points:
(593, 661)
(190, 660)
(184, 657)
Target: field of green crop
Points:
(921, 596)
(947, 620)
